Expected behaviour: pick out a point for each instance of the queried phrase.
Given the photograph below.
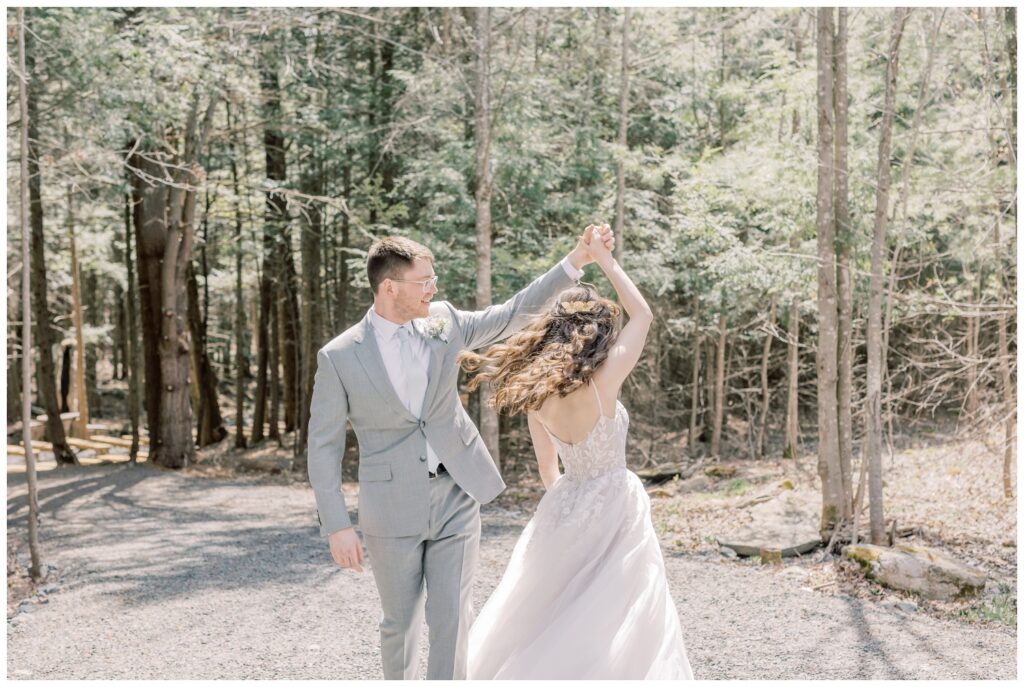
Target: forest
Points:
(819, 205)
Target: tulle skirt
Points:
(585, 594)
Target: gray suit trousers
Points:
(440, 562)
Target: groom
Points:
(423, 468)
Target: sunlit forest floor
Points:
(946, 487)
(217, 571)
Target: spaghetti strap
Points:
(598, 395)
(537, 415)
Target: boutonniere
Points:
(436, 327)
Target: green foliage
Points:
(738, 487)
(377, 107)
(1000, 608)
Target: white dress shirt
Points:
(391, 351)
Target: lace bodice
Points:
(601, 451)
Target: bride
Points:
(584, 594)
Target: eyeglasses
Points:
(426, 283)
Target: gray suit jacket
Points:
(351, 385)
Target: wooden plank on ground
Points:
(73, 415)
(37, 446)
(88, 445)
(112, 441)
(40, 467)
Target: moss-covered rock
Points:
(720, 471)
(928, 572)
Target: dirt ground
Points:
(222, 563)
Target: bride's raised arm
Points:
(629, 345)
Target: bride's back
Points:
(572, 417)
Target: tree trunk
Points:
(311, 304)
(149, 201)
(827, 351)
(275, 374)
(263, 339)
(241, 353)
(91, 307)
(15, 354)
(716, 436)
(844, 239)
(121, 346)
(285, 292)
(876, 354)
(134, 351)
(341, 305)
(707, 418)
(210, 427)
(35, 568)
(793, 383)
(1005, 378)
(766, 396)
(275, 208)
(620, 167)
(78, 425)
(291, 334)
(39, 283)
(971, 364)
(691, 437)
(65, 378)
(164, 223)
(489, 427)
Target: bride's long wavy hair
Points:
(555, 354)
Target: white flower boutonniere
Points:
(436, 327)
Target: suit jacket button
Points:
(423, 459)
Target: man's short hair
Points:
(390, 256)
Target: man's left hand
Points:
(580, 255)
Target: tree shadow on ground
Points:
(146, 535)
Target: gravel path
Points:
(169, 575)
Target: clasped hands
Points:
(588, 250)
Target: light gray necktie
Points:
(415, 374)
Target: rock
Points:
(720, 471)
(727, 552)
(928, 572)
(906, 606)
(695, 483)
(787, 523)
(658, 474)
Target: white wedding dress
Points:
(585, 593)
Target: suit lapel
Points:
(437, 350)
(372, 361)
